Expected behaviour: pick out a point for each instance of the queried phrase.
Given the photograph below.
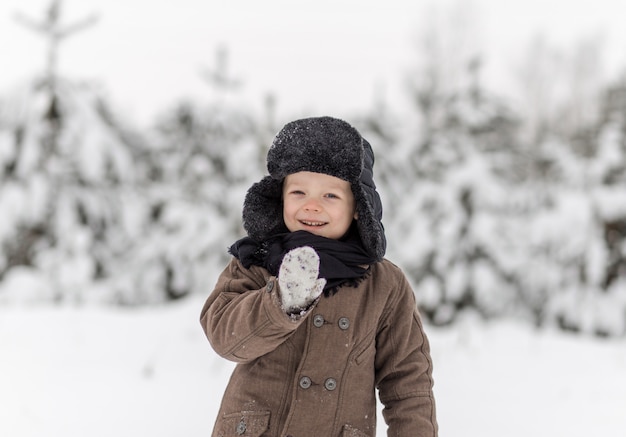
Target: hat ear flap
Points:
(369, 213)
(263, 209)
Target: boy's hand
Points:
(297, 277)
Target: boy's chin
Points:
(317, 232)
(320, 233)
(311, 230)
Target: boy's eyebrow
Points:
(337, 186)
(293, 185)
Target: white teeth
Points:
(312, 223)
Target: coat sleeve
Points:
(404, 368)
(242, 318)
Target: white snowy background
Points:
(115, 358)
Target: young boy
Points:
(315, 317)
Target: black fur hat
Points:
(321, 145)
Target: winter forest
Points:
(497, 211)
(500, 211)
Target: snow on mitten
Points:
(297, 277)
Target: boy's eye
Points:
(332, 196)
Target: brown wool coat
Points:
(316, 376)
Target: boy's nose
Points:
(312, 205)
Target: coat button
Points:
(270, 286)
(241, 428)
(344, 323)
(318, 320)
(330, 384)
(305, 382)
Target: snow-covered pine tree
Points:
(568, 151)
(206, 156)
(501, 220)
(69, 188)
(444, 219)
(592, 215)
(69, 173)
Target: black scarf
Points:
(341, 261)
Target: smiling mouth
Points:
(314, 224)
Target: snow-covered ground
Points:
(97, 372)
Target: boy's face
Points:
(318, 203)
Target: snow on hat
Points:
(322, 145)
